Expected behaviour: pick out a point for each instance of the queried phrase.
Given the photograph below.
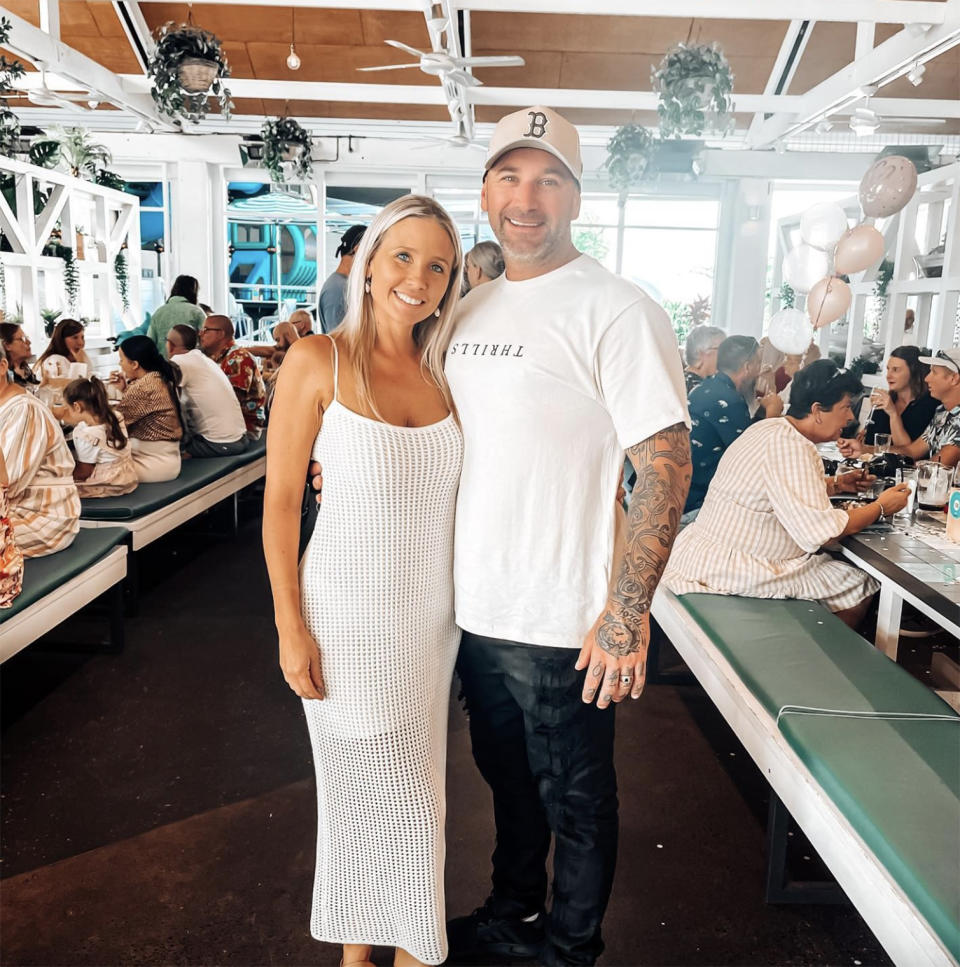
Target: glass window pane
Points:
(598, 241)
(672, 212)
(599, 209)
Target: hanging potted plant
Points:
(629, 153)
(188, 65)
(285, 140)
(695, 85)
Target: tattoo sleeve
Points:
(663, 470)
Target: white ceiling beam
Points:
(785, 66)
(50, 18)
(137, 30)
(34, 45)
(880, 66)
(835, 11)
(866, 34)
(521, 96)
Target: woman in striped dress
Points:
(767, 513)
(43, 504)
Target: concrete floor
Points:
(158, 806)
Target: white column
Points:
(742, 257)
(191, 245)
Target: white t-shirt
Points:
(210, 406)
(90, 444)
(553, 379)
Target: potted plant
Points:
(285, 140)
(188, 64)
(123, 282)
(695, 85)
(74, 148)
(628, 157)
(50, 317)
(10, 71)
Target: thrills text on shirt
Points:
(484, 349)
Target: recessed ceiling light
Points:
(916, 75)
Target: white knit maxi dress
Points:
(377, 596)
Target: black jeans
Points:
(548, 758)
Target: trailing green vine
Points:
(177, 46)
(123, 282)
(10, 71)
(629, 153)
(71, 277)
(278, 137)
(695, 85)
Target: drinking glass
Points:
(933, 482)
(908, 475)
(882, 442)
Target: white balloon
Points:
(804, 267)
(790, 331)
(822, 225)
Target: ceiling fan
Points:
(446, 66)
(44, 96)
(461, 139)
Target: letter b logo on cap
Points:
(538, 124)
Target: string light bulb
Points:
(293, 61)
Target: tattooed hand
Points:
(615, 649)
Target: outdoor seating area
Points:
(597, 597)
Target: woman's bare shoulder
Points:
(311, 363)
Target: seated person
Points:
(791, 365)
(700, 351)
(941, 439)
(767, 512)
(11, 560)
(66, 347)
(216, 341)
(211, 412)
(150, 406)
(906, 410)
(104, 458)
(719, 411)
(16, 344)
(42, 499)
(302, 321)
(286, 335)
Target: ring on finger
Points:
(625, 679)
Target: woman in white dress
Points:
(767, 513)
(367, 634)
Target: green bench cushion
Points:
(896, 782)
(797, 653)
(41, 575)
(195, 474)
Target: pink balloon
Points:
(858, 249)
(828, 300)
(887, 186)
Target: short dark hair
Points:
(734, 352)
(187, 334)
(821, 382)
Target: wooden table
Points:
(913, 562)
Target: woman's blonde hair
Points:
(432, 335)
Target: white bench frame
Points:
(894, 920)
(146, 529)
(63, 602)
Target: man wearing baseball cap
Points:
(556, 367)
(332, 303)
(941, 439)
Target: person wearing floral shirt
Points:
(216, 341)
(941, 439)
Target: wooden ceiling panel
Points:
(77, 20)
(249, 105)
(341, 27)
(614, 72)
(941, 79)
(627, 35)
(105, 15)
(829, 49)
(749, 38)
(357, 109)
(28, 10)
(542, 69)
(332, 64)
(408, 27)
(238, 59)
(750, 74)
(116, 57)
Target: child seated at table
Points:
(104, 462)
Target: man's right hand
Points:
(850, 447)
(316, 479)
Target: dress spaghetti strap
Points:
(336, 369)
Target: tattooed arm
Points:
(615, 650)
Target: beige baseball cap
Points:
(537, 127)
(948, 358)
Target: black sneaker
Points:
(484, 932)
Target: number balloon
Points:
(887, 186)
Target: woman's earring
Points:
(366, 286)
(436, 312)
